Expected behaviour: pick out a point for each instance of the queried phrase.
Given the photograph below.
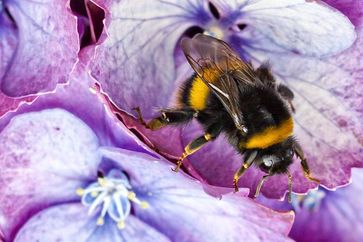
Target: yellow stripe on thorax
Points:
(199, 91)
(271, 135)
(198, 95)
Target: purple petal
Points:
(9, 104)
(47, 47)
(180, 209)
(339, 217)
(45, 156)
(137, 56)
(324, 215)
(350, 8)
(8, 43)
(69, 221)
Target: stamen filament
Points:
(110, 196)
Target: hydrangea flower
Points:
(324, 215)
(305, 48)
(38, 48)
(71, 171)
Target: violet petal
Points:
(191, 213)
(47, 47)
(81, 105)
(338, 218)
(70, 222)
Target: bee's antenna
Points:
(259, 186)
(289, 176)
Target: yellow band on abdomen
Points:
(271, 135)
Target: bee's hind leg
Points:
(304, 164)
(167, 117)
(249, 159)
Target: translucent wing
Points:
(221, 70)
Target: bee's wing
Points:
(217, 65)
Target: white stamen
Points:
(110, 196)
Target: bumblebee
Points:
(228, 95)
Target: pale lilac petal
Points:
(191, 213)
(137, 56)
(45, 156)
(298, 26)
(70, 222)
(47, 47)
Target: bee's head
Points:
(277, 158)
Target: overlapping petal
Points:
(46, 50)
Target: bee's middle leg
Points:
(212, 132)
(168, 117)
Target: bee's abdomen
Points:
(194, 93)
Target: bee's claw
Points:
(310, 178)
(235, 184)
(178, 165)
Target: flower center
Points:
(311, 201)
(214, 31)
(111, 195)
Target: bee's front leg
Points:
(167, 117)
